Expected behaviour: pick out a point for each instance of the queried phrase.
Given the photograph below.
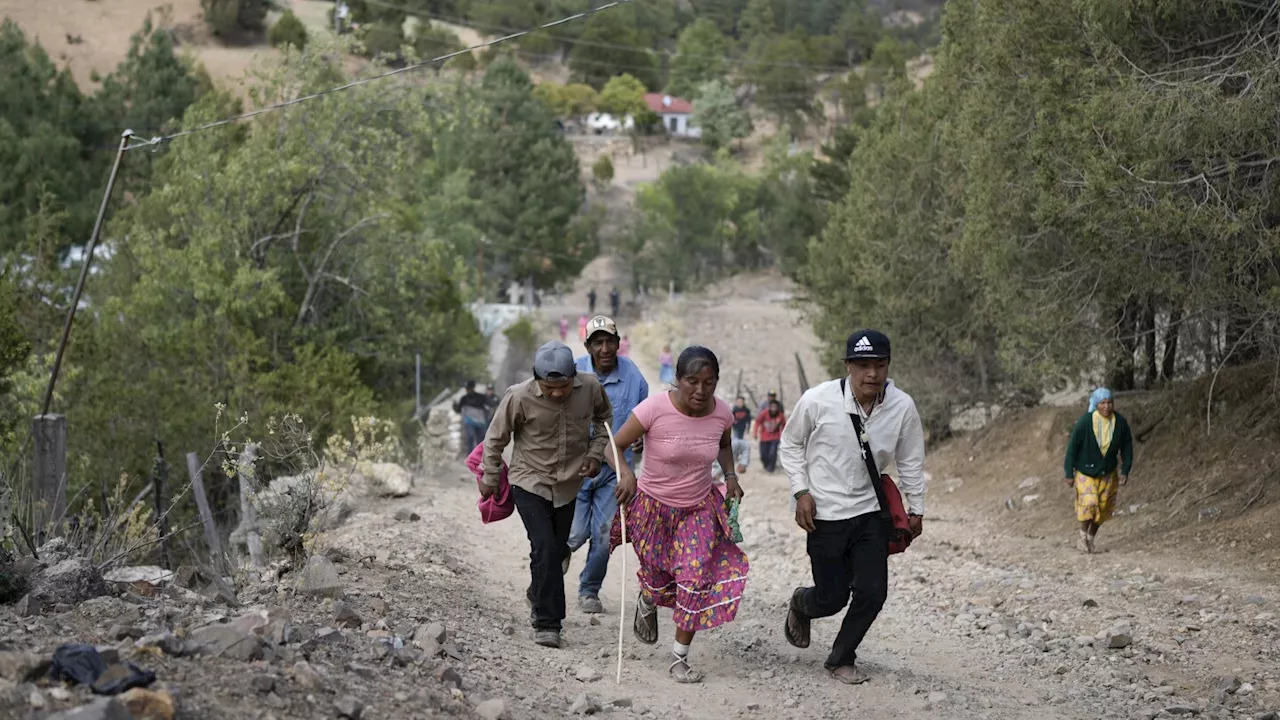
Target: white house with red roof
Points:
(676, 114)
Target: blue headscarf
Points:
(1098, 396)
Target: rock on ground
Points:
(226, 641)
(146, 704)
(349, 707)
(491, 709)
(99, 709)
(320, 577)
(385, 479)
(71, 581)
(585, 704)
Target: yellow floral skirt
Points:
(1096, 496)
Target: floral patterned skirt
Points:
(1096, 496)
(687, 560)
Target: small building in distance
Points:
(676, 114)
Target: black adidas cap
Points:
(867, 345)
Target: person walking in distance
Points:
(677, 519)
(591, 301)
(549, 418)
(475, 417)
(1098, 460)
(624, 347)
(741, 446)
(772, 396)
(597, 502)
(564, 328)
(768, 430)
(582, 329)
(834, 499)
(615, 301)
(666, 367)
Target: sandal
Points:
(681, 670)
(645, 625)
(797, 626)
(849, 675)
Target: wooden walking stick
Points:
(622, 578)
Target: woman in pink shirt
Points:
(676, 517)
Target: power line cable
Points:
(363, 81)
(480, 26)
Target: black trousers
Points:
(548, 528)
(849, 557)
(769, 455)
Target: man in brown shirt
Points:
(549, 418)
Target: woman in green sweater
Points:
(1099, 457)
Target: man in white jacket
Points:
(835, 502)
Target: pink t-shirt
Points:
(679, 450)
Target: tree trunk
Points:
(1149, 342)
(1240, 340)
(1126, 343)
(1168, 363)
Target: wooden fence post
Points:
(160, 494)
(804, 381)
(50, 479)
(249, 513)
(206, 516)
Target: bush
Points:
(306, 496)
(431, 41)
(230, 18)
(383, 40)
(522, 335)
(288, 30)
(602, 171)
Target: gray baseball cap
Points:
(554, 361)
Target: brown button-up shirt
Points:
(551, 439)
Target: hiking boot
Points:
(547, 638)
(1082, 544)
(849, 675)
(590, 604)
(1089, 542)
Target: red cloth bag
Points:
(499, 505)
(899, 524)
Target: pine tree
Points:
(700, 57)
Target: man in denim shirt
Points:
(596, 504)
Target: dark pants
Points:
(769, 455)
(548, 528)
(848, 556)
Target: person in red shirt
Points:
(768, 430)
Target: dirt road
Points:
(980, 623)
(969, 631)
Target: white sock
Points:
(680, 649)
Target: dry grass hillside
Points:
(105, 27)
(1208, 493)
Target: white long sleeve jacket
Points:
(820, 451)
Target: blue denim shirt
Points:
(626, 388)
